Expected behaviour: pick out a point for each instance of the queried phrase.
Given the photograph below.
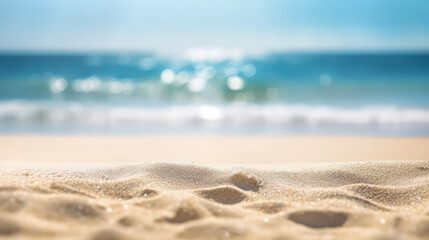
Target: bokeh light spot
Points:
(235, 83)
(249, 70)
(58, 85)
(167, 76)
(197, 84)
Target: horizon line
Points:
(245, 53)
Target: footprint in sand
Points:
(107, 234)
(267, 207)
(246, 182)
(11, 202)
(126, 221)
(74, 209)
(148, 193)
(224, 195)
(319, 218)
(7, 227)
(185, 213)
(211, 230)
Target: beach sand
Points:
(213, 187)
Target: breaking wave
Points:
(70, 113)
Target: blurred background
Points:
(216, 67)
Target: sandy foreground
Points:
(212, 187)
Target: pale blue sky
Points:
(250, 25)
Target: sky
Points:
(248, 25)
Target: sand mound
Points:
(369, 200)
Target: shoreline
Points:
(58, 150)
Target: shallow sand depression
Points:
(357, 200)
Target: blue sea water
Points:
(319, 93)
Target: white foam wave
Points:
(78, 113)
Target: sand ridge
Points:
(358, 200)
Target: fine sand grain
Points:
(355, 200)
(213, 187)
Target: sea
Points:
(215, 92)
